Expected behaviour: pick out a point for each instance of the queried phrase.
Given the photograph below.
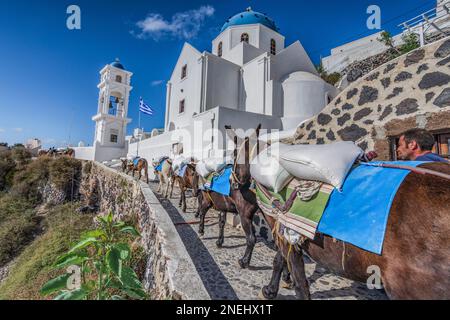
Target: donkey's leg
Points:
(287, 282)
(172, 182)
(204, 207)
(183, 198)
(222, 222)
(271, 290)
(247, 225)
(297, 267)
(199, 204)
(166, 194)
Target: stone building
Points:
(412, 91)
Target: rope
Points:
(412, 169)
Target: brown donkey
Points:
(415, 263)
(129, 166)
(241, 201)
(188, 181)
(165, 176)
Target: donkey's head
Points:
(241, 156)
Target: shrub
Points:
(103, 257)
(28, 181)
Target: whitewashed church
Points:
(249, 77)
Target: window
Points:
(184, 72)
(219, 49)
(273, 47)
(182, 105)
(245, 37)
(114, 138)
(119, 79)
(443, 144)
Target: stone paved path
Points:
(221, 274)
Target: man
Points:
(416, 145)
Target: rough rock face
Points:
(371, 110)
(360, 68)
(168, 262)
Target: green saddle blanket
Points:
(307, 209)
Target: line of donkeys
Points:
(332, 202)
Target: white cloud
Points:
(157, 83)
(18, 130)
(2, 130)
(183, 25)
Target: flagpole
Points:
(140, 135)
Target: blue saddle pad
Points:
(181, 171)
(136, 161)
(221, 183)
(359, 213)
(158, 168)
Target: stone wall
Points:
(170, 272)
(410, 91)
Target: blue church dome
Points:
(117, 64)
(250, 17)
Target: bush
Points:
(28, 181)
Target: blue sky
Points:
(49, 74)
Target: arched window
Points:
(119, 79)
(219, 49)
(245, 37)
(273, 47)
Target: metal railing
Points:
(429, 24)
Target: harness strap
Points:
(212, 201)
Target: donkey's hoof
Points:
(219, 244)
(265, 294)
(287, 284)
(243, 264)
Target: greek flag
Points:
(144, 108)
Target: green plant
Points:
(331, 78)
(387, 40)
(410, 42)
(103, 258)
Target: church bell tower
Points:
(111, 118)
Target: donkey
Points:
(241, 201)
(415, 260)
(165, 176)
(141, 164)
(188, 181)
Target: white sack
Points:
(179, 162)
(216, 164)
(202, 170)
(329, 163)
(266, 169)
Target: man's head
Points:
(414, 143)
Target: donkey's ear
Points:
(230, 133)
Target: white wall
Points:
(84, 153)
(223, 83)
(304, 96)
(188, 88)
